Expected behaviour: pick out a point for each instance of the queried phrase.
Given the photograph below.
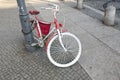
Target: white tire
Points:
(56, 53)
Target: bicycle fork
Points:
(60, 40)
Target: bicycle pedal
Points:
(41, 45)
(33, 44)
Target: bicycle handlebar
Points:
(51, 4)
(55, 7)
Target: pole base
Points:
(30, 48)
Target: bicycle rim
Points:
(58, 56)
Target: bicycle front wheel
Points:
(56, 53)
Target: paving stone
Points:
(113, 42)
(18, 64)
(101, 62)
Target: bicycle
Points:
(60, 50)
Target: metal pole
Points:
(26, 27)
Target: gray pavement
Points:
(101, 43)
(18, 64)
(100, 53)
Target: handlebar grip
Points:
(51, 4)
(42, 8)
(45, 8)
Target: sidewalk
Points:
(18, 64)
(100, 53)
(101, 44)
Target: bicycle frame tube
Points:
(56, 21)
(39, 33)
(58, 31)
(49, 33)
(54, 28)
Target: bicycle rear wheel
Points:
(58, 56)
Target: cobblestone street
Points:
(100, 59)
(18, 64)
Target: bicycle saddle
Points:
(34, 12)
